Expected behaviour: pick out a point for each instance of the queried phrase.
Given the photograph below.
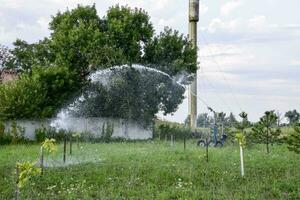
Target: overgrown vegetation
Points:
(156, 170)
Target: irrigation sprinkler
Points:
(214, 129)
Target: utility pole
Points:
(193, 19)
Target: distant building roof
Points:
(7, 75)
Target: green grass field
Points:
(155, 170)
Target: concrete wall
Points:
(128, 130)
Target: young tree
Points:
(293, 116)
(265, 130)
(244, 123)
(293, 140)
(231, 120)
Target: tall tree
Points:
(293, 116)
(81, 42)
(203, 120)
(170, 52)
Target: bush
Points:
(38, 95)
(40, 134)
(14, 136)
(166, 129)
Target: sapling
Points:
(47, 146)
(242, 142)
(25, 171)
(77, 136)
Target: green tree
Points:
(81, 42)
(129, 30)
(244, 123)
(293, 116)
(130, 94)
(6, 58)
(231, 120)
(36, 95)
(293, 140)
(171, 52)
(203, 120)
(265, 131)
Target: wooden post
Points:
(42, 160)
(71, 145)
(65, 149)
(206, 146)
(172, 140)
(184, 142)
(17, 189)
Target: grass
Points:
(155, 170)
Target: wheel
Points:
(219, 144)
(201, 143)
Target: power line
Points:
(221, 72)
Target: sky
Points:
(248, 49)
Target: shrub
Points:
(14, 136)
(40, 134)
(166, 129)
(107, 131)
(293, 139)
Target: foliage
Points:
(293, 140)
(164, 130)
(40, 134)
(231, 120)
(49, 145)
(14, 134)
(107, 132)
(38, 95)
(265, 131)
(26, 171)
(154, 170)
(128, 30)
(203, 120)
(241, 139)
(171, 52)
(57, 67)
(244, 123)
(293, 117)
(130, 95)
(6, 58)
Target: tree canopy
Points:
(55, 68)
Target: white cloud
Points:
(229, 7)
(258, 23)
(203, 9)
(295, 62)
(218, 24)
